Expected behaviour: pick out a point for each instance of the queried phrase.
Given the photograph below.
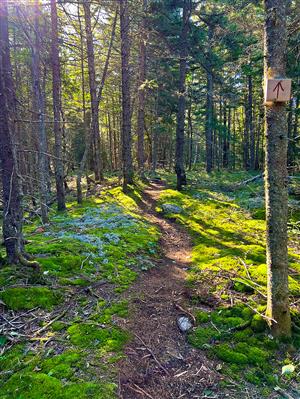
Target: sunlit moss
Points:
(30, 297)
(92, 335)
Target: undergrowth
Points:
(228, 276)
(104, 241)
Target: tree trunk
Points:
(59, 166)
(276, 173)
(93, 92)
(12, 197)
(179, 153)
(250, 123)
(141, 94)
(41, 129)
(126, 101)
(209, 106)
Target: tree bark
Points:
(276, 178)
(95, 134)
(43, 170)
(59, 165)
(250, 124)
(141, 94)
(126, 100)
(183, 53)
(209, 106)
(12, 196)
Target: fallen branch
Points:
(58, 317)
(262, 315)
(177, 306)
(139, 390)
(244, 183)
(153, 355)
(283, 393)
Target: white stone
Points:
(184, 324)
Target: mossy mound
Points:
(62, 366)
(31, 297)
(92, 335)
(42, 386)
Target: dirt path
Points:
(159, 362)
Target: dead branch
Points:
(177, 306)
(153, 355)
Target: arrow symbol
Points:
(278, 87)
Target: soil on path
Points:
(159, 363)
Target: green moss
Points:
(253, 378)
(28, 298)
(229, 355)
(256, 356)
(58, 326)
(202, 336)
(104, 316)
(42, 386)
(31, 386)
(62, 366)
(94, 336)
(12, 358)
(80, 282)
(201, 317)
(258, 323)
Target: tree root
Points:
(23, 259)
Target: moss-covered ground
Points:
(89, 255)
(227, 279)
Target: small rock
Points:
(184, 324)
(171, 208)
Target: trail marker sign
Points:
(278, 90)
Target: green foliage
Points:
(28, 298)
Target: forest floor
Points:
(101, 318)
(159, 361)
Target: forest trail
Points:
(159, 362)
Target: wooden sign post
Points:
(277, 90)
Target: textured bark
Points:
(83, 161)
(59, 165)
(209, 105)
(43, 171)
(246, 143)
(126, 103)
(276, 173)
(183, 53)
(141, 94)
(12, 197)
(95, 130)
(250, 124)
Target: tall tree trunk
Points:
(12, 197)
(126, 101)
(93, 92)
(141, 93)
(84, 159)
(276, 173)
(250, 123)
(190, 122)
(246, 135)
(43, 170)
(59, 165)
(209, 106)
(179, 153)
